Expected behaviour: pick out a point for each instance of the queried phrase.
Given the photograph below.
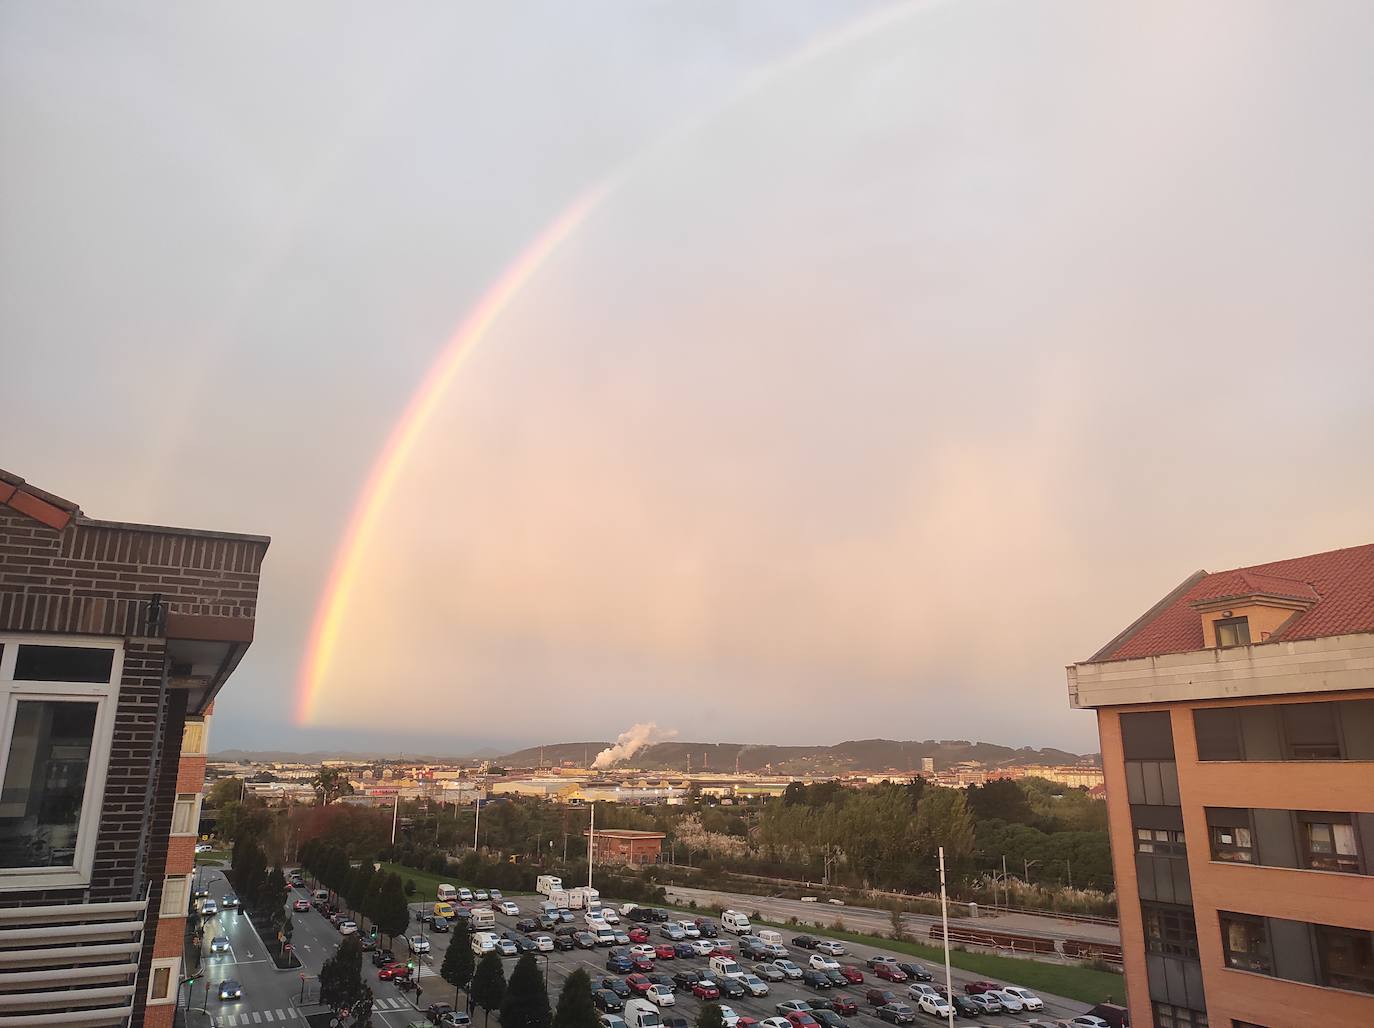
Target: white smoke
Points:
(631, 741)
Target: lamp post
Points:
(1029, 865)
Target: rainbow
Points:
(387, 468)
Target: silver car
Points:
(418, 944)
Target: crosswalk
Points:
(286, 1016)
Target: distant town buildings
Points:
(1237, 727)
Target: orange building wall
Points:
(191, 774)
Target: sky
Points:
(901, 354)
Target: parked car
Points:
(702, 947)
(769, 973)
(845, 1005)
(382, 957)
(815, 979)
(1011, 1003)
(708, 928)
(965, 1007)
(775, 1022)
(852, 974)
(828, 1019)
(526, 924)
(820, 962)
(936, 1006)
(507, 948)
(873, 962)
(805, 941)
(481, 894)
(830, 948)
(802, 1019)
(584, 940)
(897, 1013)
(638, 983)
(612, 1021)
(890, 973)
(837, 980)
(1088, 1021)
(619, 962)
(730, 988)
(792, 1006)
(675, 1021)
(753, 984)
(664, 951)
(973, 988)
(546, 922)
(508, 908)
(642, 964)
(684, 980)
(791, 970)
(638, 934)
(563, 942)
(607, 1001)
(915, 971)
(616, 985)
(879, 997)
(1029, 1000)
(347, 927)
(436, 1011)
(660, 995)
(988, 1001)
(439, 924)
(728, 1017)
(672, 930)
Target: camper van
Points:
(483, 942)
(483, 918)
(545, 884)
(734, 921)
(559, 898)
(447, 894)
(768, 935)
(640, 1013)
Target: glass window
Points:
(1232, 843)
(1346, 956)
(1233, 632)
(1163, 842)
(1218, 733)
(1168, 1016)
(1170, 930)
(45, 782)
(1310, 730)
(1147, 735)
(1245, 940)
(63, 664)
(162, 983)
(1328, 842)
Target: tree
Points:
(942, 819)
(393, 913)
(341, 977)
(898, 927)
(575, 1006)
(1001, 800)
(458, 959)
(710, 1017)
(330, 784)
(526, 1002)
(488, 985)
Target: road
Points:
(273, 997)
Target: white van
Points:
(483, 942)
(725, 967)
(768, 935)
(447, 894)
(640, 1013)
(545, 884)
(464, 894)
(734, 921)
(483, 917)
(322, 896)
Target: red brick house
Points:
(623, 846)
(114, 640)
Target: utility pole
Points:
(944, 921)
(1006, 889)
(591, 844)
(395, 807)
(477, 821)
(1068, 865)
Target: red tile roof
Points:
(1339, 584)
(29, 500)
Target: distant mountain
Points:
(871, 755)
(315, 756)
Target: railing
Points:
(69, 964)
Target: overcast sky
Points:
(906, 360)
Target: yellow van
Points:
(444, 910)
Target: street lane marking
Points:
(257, 1018)
(267, 1015)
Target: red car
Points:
(977, 988)
(639, 934)
(705, 989)
(843, 1005)
(300, 906)
(665, 952)
(746, 1022)
(724, 946)
(801, 1019)
(889, 973)
(852, 974)
(642, 964)
(393, 971)
(638, 983)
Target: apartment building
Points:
(114, 641)
(1237, 728)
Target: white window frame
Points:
(106, 697)
(181, 909)
(194, 830)
(173, 965)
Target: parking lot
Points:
(559, 964)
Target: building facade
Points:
(623, 846)
(114, 641)
(1237, 729)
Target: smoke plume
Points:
(631, 741)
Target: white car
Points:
(1029, 1000)
(820, 962)
(755, 985)
(830, 948)
(511, 910)
(203, 847)
(644, 950)
(660, 996)
(690, 927)
(1088, 1021)
(702, 947)
(418, 944)
(615, 1021)
(544, 942)
(936, 1005)
(775, 1022)
(481, 894)
(594, 919)
(208, 908)
(348, 927)
(495, 894)
(1011, 1003)
(917, 990)
(728, 1016)
(791, 970)
(507, 948)
(609, 916)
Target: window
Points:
(162, 982)
(176, 896)
(1163, 842)
(1170, 930)
(1218, 733)
(1232, 632)
(1147, 735)
(1310, 731)
(1328, 842)
(1167, 1016)
(1320, 730)
(1346, 957)
(1232, 843)
(184, 814)
(58, 708)
(1245, 941)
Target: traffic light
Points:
(410, 965)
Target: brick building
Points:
(1237, 727)
(623, 846)
(114, 640)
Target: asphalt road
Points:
(274, 997)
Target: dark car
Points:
(585, 940)
(837, 980)
(844, 1005)
(616, 985)
(752, 946)
(915, 971)
(659, 914)
(640, 914)
(676, 1021)
(528, 924)
(660, 978)
(566, 929)
(815, 979)
(563, 942)
(965, 1007)
(368, 943)
(619, 962)
(880, 997)
(439, 924)
(382, 957)
(523, 942)
(829, 1018)
(730, 988)
(897, 1013)
(684, 980)
(708, 928)
(978, 988)
(607, 1001)
(436, 1011)
(805, 941)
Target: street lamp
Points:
(1029, 865)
